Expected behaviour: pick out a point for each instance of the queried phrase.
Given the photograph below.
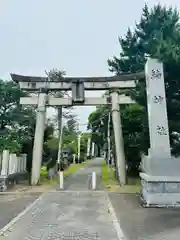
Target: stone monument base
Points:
(160, 181)
(160, 191)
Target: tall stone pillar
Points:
(157, 110)
(160, 176)
(119, 143)
(38, 139)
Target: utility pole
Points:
(38, 138)
(119, 143)
(79, 147)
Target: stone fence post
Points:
(5, 163)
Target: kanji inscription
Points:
(158, 99)
(156, 74)
(161, 130)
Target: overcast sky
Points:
(75, 35)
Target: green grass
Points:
(70, 170)
(44, 171)
(110, 183)
(107, 175)
(73, 168)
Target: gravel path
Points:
(75, 214)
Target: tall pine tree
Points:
(157, 35)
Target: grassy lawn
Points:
(110, 183)
(74, 167)
(70, 170)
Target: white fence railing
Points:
(12, 164)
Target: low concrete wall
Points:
(8, 181)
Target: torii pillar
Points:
(38, 138)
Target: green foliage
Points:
(52, 143)
(157, 35)
(97, 122)
(70, 137)
(15, 121)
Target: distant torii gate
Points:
(78, 85)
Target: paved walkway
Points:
(68, 215)
(81, 180)
(80, 214)
(12, 204)
(140, 223)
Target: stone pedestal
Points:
(160, 176)
(160, 182)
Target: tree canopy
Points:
(157, 35)
(16, 122)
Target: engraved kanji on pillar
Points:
(157, 110)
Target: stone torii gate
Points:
(160, 176)
(43, 86)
